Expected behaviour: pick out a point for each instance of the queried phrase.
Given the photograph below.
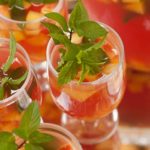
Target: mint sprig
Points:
(87, 57)
(27, 131)
(12, 49)
(6, 78)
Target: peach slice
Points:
(26, 4)
(19, 35)
(33, 28)
(79, 92)
(137, 7)
(4, 10)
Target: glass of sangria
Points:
(18, 85)
(131, 19)
(62, 139)
(24, 20)
(89, 105)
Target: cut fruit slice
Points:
(65, 147)
(33, 28)
(137, 7)
(26, 4)
(32, 15)
(79, 93)
(76, 39)
(4, 10)
(19, 36)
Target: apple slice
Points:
(137, 7)
(76, 39)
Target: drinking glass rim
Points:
(11, 98)
(102, 79)
(61, 130)
(56, 9)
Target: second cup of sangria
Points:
(18, 84)
(88, 105)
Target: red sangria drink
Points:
(87, 77)
(24, 20)
(131, 19)
(18, 84)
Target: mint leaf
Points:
(58, 18)
(97, 45)
(91, 30)
(1, 92)
(72, 49)
(78, 15)
(33, 147)
(52, 28)
(19, 80)
(30, 121)
(37, 138)
(83, 73)
(68, 72)
(6, 137)
(8, 146)
(7, 141)
(92, 57)
(10, 59)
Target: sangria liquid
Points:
(131, 19)
(26, 26)
(15, 101)
(91, 99)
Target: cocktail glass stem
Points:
(92, 132)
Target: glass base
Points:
(41, 70)
(93, 132)
(135, 135)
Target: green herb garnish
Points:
(27, 131)
(87, 56)
(6, 79)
